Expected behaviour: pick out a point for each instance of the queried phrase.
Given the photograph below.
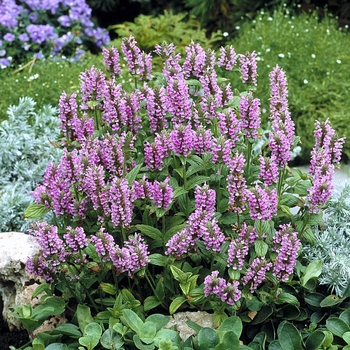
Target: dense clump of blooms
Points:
(286, 244)
(282, 136)
(248, 68)
(167, 172)
(324, 156)
(227, 292)
(60, 28)
(256, 273)
(262, 203)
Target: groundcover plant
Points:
(40, 29)
(162, 202)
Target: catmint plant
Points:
(60, 28)
(165, 187)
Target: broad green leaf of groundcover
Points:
(289, 337)
(92, 334)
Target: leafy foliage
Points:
(25, 151)
(179, 29)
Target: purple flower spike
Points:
(286, 244)
(162, 194)
(256, 273)
(132, 54)
(262, 203)
(111, 60)
(248, 68)
(281, 139)
(194, 61)
(228, 57)
(75, 238)
(268, 170)
(250, 115)
(104, 244)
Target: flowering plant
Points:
(161, 189)
(41, 28)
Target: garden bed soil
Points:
(16, 338)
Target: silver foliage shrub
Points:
(25, 151)
(332, 245)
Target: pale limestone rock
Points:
(16, 285)
(178, 322)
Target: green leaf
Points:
(178, 192)
(233, 324)
(314, 299)
(207, 339)
(289, 337)
(139, 345)
(169, 334)
(275, 345)
(150, 231)
(178, 274)
(159, 320)
(331, 300)
(38, 344)
(43, 287)
(197, 180)
(111, 339)
(230, 340)
(328, 341)
(92, 334)
(315, 219)
(337, 326)
(260, 247)
(132, 320)
(286, 298)
(30, 325)
(345, 316)
(313, 270)
(265, 312)
(289, 199)
(346, 337)
(35, 210)
(67, 329)
(176, 303)
(148, 332)
(194, 82)
(254, 304)
(57, 346)
(290, 312)
(83, 316)
(108, 288)
(132, 174)
(151, 302)
(159, 260)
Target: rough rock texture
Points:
(16, 285)
(178, 321)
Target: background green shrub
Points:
(43, 81)
(179, 29)
(316, 57)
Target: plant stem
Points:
(280, 180)
(249, 154)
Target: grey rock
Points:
(178, 322)
(16, 285)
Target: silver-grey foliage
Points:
(25, 151)
(332, 245)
